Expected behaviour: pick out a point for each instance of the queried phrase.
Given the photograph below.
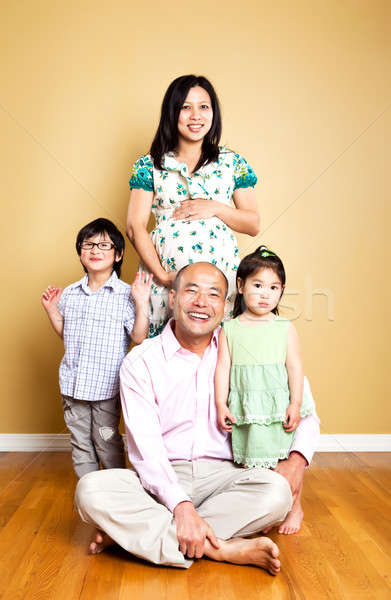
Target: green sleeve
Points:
(142, 174)
(244, 175)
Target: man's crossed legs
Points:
(234, 501)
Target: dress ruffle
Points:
(260, 394)
(264, 462)
(263, 407)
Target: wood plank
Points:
(342, 552)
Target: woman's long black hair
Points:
(261, 258)
(166, 137)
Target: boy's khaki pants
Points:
(95, 438)
(234, 501)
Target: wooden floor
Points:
(343, 550)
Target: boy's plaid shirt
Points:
(97, 328)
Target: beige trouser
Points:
(94, 434)
(233, 500)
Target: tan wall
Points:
(306, 94)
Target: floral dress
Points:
(179, 243)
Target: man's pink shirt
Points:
(168, 404)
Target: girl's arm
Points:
(49, 301)
(139, 211)
(242, 219)
(222, 375)
(295, 379)
(141, 290)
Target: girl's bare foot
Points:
(99, 542)
(267, 529)
(293, 520)
(261, 552)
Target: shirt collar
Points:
(112, 282)
(171, 163)
(171, 345)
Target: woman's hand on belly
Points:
(195, 209)
(241, 218)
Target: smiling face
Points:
(261, 292)
(199, 302)
(96, 260)
(196, 115)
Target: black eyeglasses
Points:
(105, 246)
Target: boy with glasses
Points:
(96, 317)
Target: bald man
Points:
(185, 497)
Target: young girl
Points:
(199, 192)
(259, 369)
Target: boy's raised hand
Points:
(50, 297)
(141, 287)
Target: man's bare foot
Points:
(261, 552)
(293, 520)
(100, 541)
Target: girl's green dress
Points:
(259, 392)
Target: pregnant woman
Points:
(199, 192)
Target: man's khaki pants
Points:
(233, 500)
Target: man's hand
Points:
(192, 531)
(293, 470)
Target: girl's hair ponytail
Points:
(261, 258)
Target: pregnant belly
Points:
(179, 243)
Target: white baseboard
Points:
(354, 442)
(59, 442)
(35, 442)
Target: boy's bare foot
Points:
(261, 552)
(99, 542)
(293, 520)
